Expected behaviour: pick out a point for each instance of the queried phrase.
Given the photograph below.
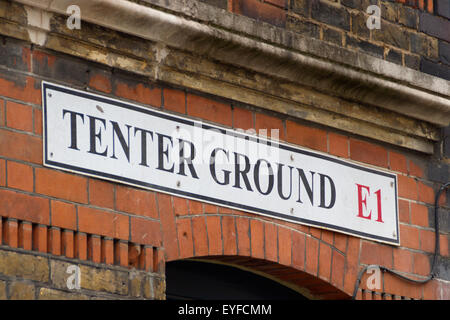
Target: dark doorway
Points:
(195, 280)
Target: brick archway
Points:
(282, 251)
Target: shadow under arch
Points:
(243, 278)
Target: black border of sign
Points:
(186, 121)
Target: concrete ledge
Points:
(310, 62)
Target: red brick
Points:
(100, 82)
(180, 206)
(169, 231)
(101, 193)
(409, 237)
(40, 238)
(427, 240)
(200, 236)
(278, 3)
(419, 214)
(325, 253)
(214, 235)
(68, 245)
(20, 176)
(426, 193)
(26, 235)
(271, 242)
(421, 264)
(99, 222)
(285, 247)
(431, 290)
(298, 250)
(63, 215)
(24, 207)
(19, 116)
(175, 100)
(20, 146)
(147, 232)
(312, 255)
(242, 119)
(403, 260)
(403, 211)
(94, 248)
(54, 241)
(136, 201)
(415, 169)
(407, 187)
(243, 239)
(2, 113)
(229, 235)
(269, 126)
(121, 253)
(374, 253)
(338, 145)
(397, 162)
(210, 208)
(2, 173)
(309, 137)
(340, 241)
(368, 153)
(10, 233)
(209, 109)
(260, 11)
(430, 6)
(134, 255)
(146, 259)
(399, 287)
(25, 89)
(337, 269)
(443, 245)
(37, 116)
(185, 242)
(107, 251)
(141, 93)
(81, 246)
(315, 232)
(195, 207)
(257, 239)
(54, 183)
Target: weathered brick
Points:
(412, 61)
(3, 290)
(301, 7)
(443, 8)
(260, 11)
(15, 54)
(100, 80)
(333, 36)
(52, 294)
(303, 27)
(92, 278)
(20, 87)
(392, 34)
(120, 253)
(217, 3)
(409, 17)
(174, 100)
(434, 25)
(365, 46)
(444, 52)
(25, 266)
(333, 15)
(19, 290)
(394, 56)
(140, 92)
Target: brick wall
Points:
(414, 33)
(54, 218)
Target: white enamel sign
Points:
(110, 139)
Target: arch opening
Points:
(194, 279)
